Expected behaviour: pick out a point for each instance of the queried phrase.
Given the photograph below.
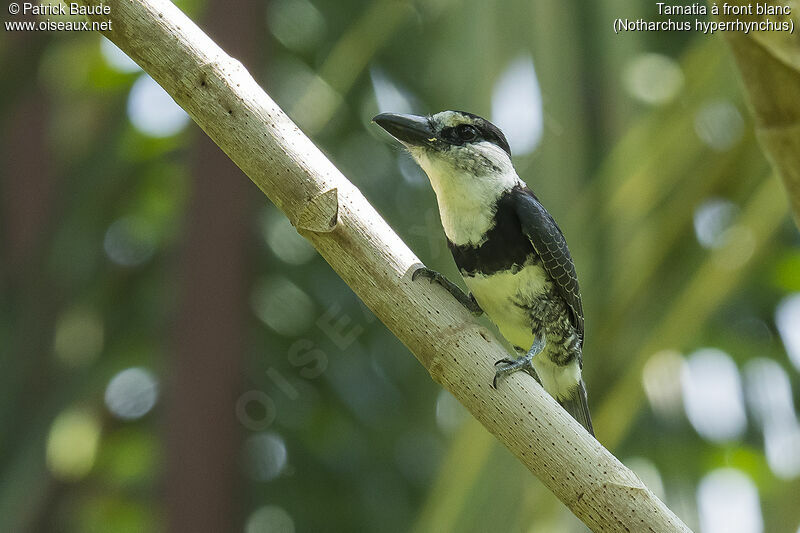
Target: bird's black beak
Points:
(409, 129)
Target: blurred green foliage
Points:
(646, 158)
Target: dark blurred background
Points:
(176, 358)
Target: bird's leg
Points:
(467, 301)
(509, 366)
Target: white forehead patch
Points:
(448, 119)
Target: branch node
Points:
(320, 214)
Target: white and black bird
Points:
(509, 250)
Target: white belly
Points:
(496, 295)
(559, 381)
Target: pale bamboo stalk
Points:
(225, 101)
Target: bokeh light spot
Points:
(78, 336)
(769, 395)
(661, 378)
(116, 58)
(269, 519)
(450, 414)
(712, 395)
(311, 101)
(712, 219)
(719, 125)
(152, 111)
(390, 97)
(265, 456)
(648, 473)
(769, 392)
(517, 106)
(72, 444)
(409, 169)
(132, 393)
(283, 239)
(727, 501)
(283, 306)
(781, 444)
(129, 241)
(787, 319)
(654, 79)
(296, 24)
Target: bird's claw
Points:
(511, 366)
(523, 363)
(467, 301)
(425, 272)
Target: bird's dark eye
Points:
(466, 132)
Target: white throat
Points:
(467, 201)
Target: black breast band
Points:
(505, 247)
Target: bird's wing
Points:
(548, 241)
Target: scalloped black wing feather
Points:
(549, 243)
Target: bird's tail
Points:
(577, 406)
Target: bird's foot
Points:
(467, 301)
(506, 367)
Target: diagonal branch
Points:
(330, 212)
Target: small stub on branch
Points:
(320, 214)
